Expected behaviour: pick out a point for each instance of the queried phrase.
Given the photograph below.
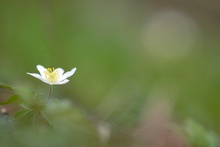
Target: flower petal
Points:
(39, 77)
(41, 69)
(60, 70)
(67, 74)
(62, 82)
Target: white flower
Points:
(52, 76)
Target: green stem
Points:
(50, 91)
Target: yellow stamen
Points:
(51, 75)
(50, 69)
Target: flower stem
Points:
(50, 91)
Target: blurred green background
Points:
(130, 55)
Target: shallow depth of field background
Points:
(140, 64)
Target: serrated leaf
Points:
(11, 99)
(47, 119)
(25, 106)
(2, 85)
(21, 113)
(24, 117)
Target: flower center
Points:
(51, 75)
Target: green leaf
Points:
(21, 113)
(24, 117)
(11, 99)
(47, 119)
(197, 135)
(2, 85)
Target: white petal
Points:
(41, 69)
(39, 77)
(67, 74)
(62, 82)
(35, 75)
(60, 70)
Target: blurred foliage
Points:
(55, 123)
(198, 136)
